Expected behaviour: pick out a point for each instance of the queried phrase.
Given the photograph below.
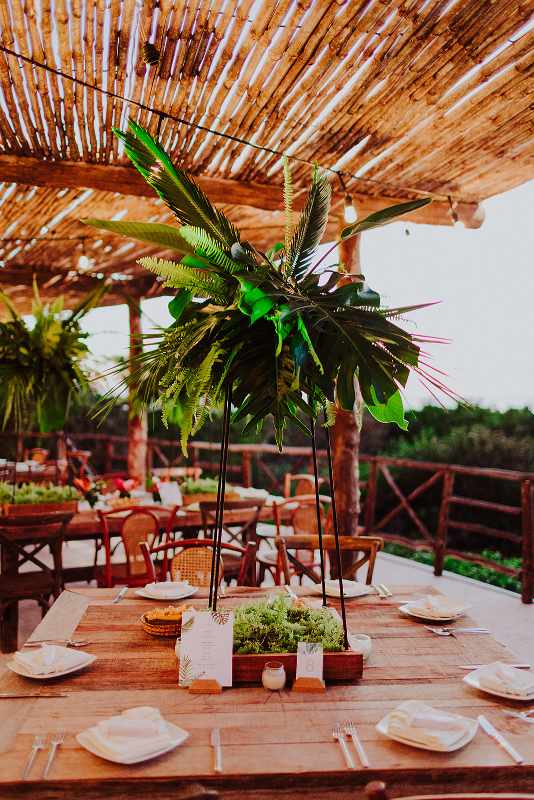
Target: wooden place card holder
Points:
(309, 685)
(205, 686)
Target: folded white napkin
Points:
(436, 606)
(422, 724)
(500, 677)
(49, 658)
(250, 492)
(132, 734)
(166, 589)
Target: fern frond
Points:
(288, 202)
(207, 247)
(178, 276)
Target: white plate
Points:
(472, 680)
(407, 609)
(178, 734)
(176, 596)
(350, 589)
(14, 666)
(383, 726)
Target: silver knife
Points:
(118, 597)
(216, 744)
(488, 728)
(479, 666)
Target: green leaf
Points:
(254, 301)
(180, 276)
(178, 304)
(383, 217)
(392, 410)
(205, 246)
(150, 232)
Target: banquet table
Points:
(273, 744)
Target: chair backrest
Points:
(299, 483)
(137, 525)
(366, 548)
(300, 514)
(246, 513)
(376, 790)
(42, 530)
(194, 559)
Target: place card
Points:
(310, 660)
(170, 493)
(206, 647)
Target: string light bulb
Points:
(84, 262)
(349, 212)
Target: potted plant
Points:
(37, 498)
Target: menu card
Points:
(170, 493)
(206, 648)
(310, 660)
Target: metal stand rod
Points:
(336, 537)
(217, 544)
(318, 508)
(219, 506)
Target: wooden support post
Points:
(346, 433)
(370, 498)
(137, 423)
(527, 524)
(246, 468)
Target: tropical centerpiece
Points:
(270, 333)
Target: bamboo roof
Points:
(404, 98)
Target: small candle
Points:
(273, 676)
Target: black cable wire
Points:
(217, 547)
(218, 509)
(318, 508)
(230, 137)
(336, 537)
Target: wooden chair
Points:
(193, 561)
(299, 515)
(376, 790)
(136, 525)
(304, 484)
(290, 547)
(242, 531)
(22, 538)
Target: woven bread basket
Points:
(165, 629)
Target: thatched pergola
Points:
(399, 98)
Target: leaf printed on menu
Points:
(311, 648)
(220, 617)
(186, 671)
(187, 626)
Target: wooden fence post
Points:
(246, 468)
(527, 568)
(443, 520)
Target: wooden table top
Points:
(273, 743)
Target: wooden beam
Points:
(127, 181)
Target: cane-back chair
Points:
(134, 525)
(22, 539)
(290, 549)
(191, 560)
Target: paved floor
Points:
(501, 611)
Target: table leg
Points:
(9, 621)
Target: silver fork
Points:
(385, 590)
(339, 736)
(56, 741)
(38, 744)
(378, 589)
(454, 631)
(66, 642)
(350, 730)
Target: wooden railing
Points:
(429, 497)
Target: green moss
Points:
(277, 627)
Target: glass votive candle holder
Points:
(273, 676)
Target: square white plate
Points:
(14, 666)
(472, 727)
(472, 680)
(350, 588)
(178, 595)
(178, 735)
(408, 610)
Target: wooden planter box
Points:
(22, 509)
(207, 497)
(344, 667)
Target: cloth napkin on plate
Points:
(166, 589)
(133, 734)
(436, 606)
(49, 658)
(499, 677)
(420, 723)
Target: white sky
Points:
(484, 278)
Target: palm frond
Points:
(288, 202)
(150, 232)
(207, 247)
(310, 227)
(177, 276)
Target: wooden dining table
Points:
(274, 744)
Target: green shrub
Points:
(28, 493)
